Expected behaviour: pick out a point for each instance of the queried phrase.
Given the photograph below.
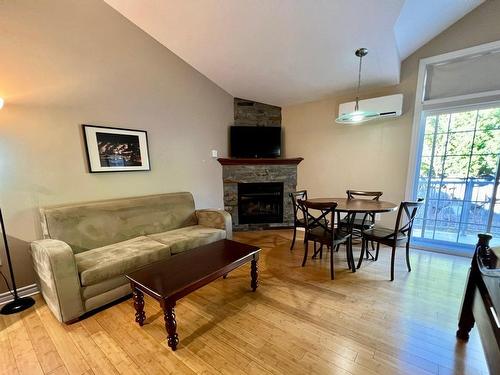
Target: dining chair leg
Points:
(363, 241)
(378, 249)
(319, 251)
(315, 251)
(332, 270)
(306, 246)
(353, 265)
(392, 262)
(293, 239)
(337, 248)
(347, 254)
(408, 256)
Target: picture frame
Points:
(116, 149)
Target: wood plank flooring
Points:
(298, 322)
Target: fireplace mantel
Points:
(259, 161)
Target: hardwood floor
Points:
(298, 322)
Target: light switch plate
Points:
(215, 153)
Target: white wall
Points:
(64, 63)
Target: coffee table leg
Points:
(171, 326)
(140, 315)
(254, 272)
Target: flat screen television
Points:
(255, 142)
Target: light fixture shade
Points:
(356, 117)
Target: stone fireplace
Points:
(256, 191)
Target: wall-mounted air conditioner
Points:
(385, 106)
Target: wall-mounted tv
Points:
(255, 142)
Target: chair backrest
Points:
(320, 220)
(374, 195)
(295, 196)
(406, 215)
(353, 194)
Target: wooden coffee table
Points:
(169, 280)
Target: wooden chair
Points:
(321, 228)
(352, 194)
(357, 222)
(393, 237)
(298, 221)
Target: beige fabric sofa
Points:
(88, 248)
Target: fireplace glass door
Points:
(260, 202)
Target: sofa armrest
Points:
(55, 266)
(216, 218)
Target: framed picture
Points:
(116, 150)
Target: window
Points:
(458, 176)
(455, 150)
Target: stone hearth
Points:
(236, 171)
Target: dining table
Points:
(351, 207)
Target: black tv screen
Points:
(255, 142)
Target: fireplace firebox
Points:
(260, 202)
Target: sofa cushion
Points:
(102, 287)
(187, 238)
(104, 263)
(90, 225)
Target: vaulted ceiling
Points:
(290, 51)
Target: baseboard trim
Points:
(24, 291)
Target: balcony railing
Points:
(456, 209)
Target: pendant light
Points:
(358, 116)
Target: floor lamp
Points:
(20, 303)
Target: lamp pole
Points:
(18, 304)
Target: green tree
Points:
(470, 140)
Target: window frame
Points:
(422, 108)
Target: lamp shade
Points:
(356, 117)
(1, 103)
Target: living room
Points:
(228, 242)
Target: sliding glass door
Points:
(458, 175)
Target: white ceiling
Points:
(422, 20)
(290, 51)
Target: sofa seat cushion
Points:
(103, 287)
(107, 262)
(187, 238)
